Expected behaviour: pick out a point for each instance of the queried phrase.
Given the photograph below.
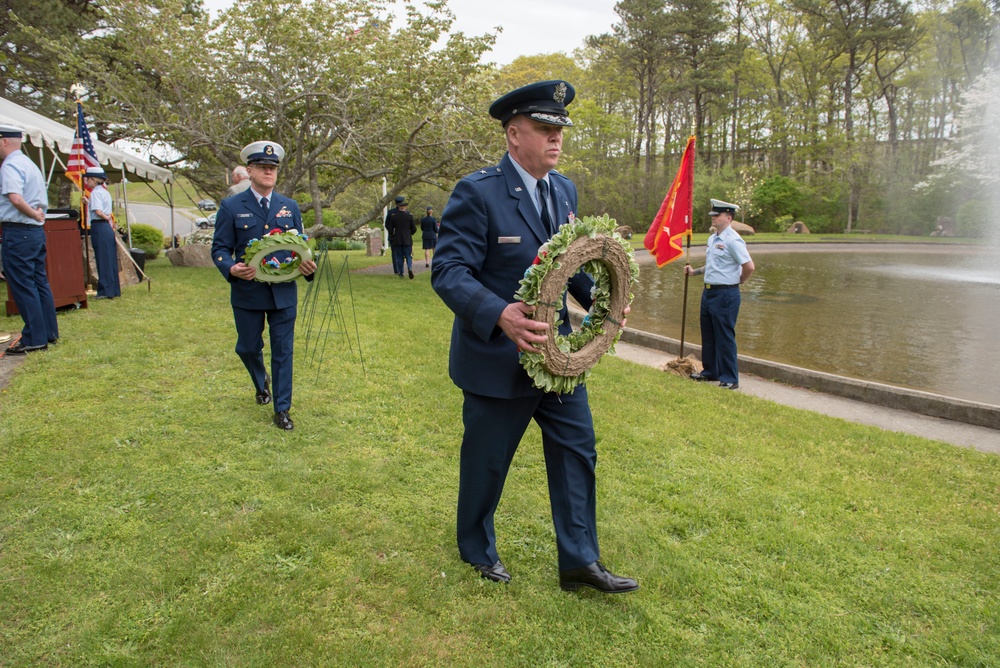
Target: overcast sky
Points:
(529, 26)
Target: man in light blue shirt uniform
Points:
(102, 234)
(727, 266)
(23, 203)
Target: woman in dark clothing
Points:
(429, 230)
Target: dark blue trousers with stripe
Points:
(24, 267)
(493, 430)
(719, 310)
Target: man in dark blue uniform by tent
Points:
(250, 215)
(23, 203)
(491, 230)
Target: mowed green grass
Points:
(150, 515)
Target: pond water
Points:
(922, 317)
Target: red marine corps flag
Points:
(82, 156)
(673, 221)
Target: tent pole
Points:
(128, 225)
(173, 236)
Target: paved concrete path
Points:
(949, 431)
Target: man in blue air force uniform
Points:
(727, 267)
(491, 231)
(250, 215)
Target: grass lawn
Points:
(150, 515)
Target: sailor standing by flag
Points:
(727, 266)
(102, 234)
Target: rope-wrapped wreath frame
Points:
(257, 250)
(589, 244)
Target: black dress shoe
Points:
(18, 349)
(700, 376)
(495, 572)
(598, 577)
(411, 273)
(729, 386)
(264, 396)
(282, 421)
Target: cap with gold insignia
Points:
(266, 152)
(95, 173)
(544, 102)
(718, 206)
(11, 131)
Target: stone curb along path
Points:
(818, 397)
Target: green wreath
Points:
(272, 270)
(590, 244)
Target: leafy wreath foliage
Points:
(550, 257)
(272, 270)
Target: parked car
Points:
(206, 205)
(205, 223)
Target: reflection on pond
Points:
(923, 318)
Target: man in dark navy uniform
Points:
(250, 215)
(491, 230)
(400, 226)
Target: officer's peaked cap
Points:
(718, 206)
(11, 131)
(544, 102)
(264, 152)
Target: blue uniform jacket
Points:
(239, 221)
(490, 234)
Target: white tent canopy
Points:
(46, 133)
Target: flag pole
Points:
(84, 214)
(684, 307)
(687, 252)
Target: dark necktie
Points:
(543, 200)
(263, 205)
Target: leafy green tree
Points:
(43, 51)
(352, 100)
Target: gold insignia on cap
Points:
(269, 149)
(560, 93)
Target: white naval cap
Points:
(11, 131)
(718, 206)
(96, 173)
(266, 152)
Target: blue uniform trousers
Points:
(24, 266)
(402, 257)
(493, 430)
(250, 347)
(102, 237)
(719, 310)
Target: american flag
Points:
(82, 156)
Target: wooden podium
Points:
(63, 260)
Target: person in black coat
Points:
(400, 226)
(428, 235)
